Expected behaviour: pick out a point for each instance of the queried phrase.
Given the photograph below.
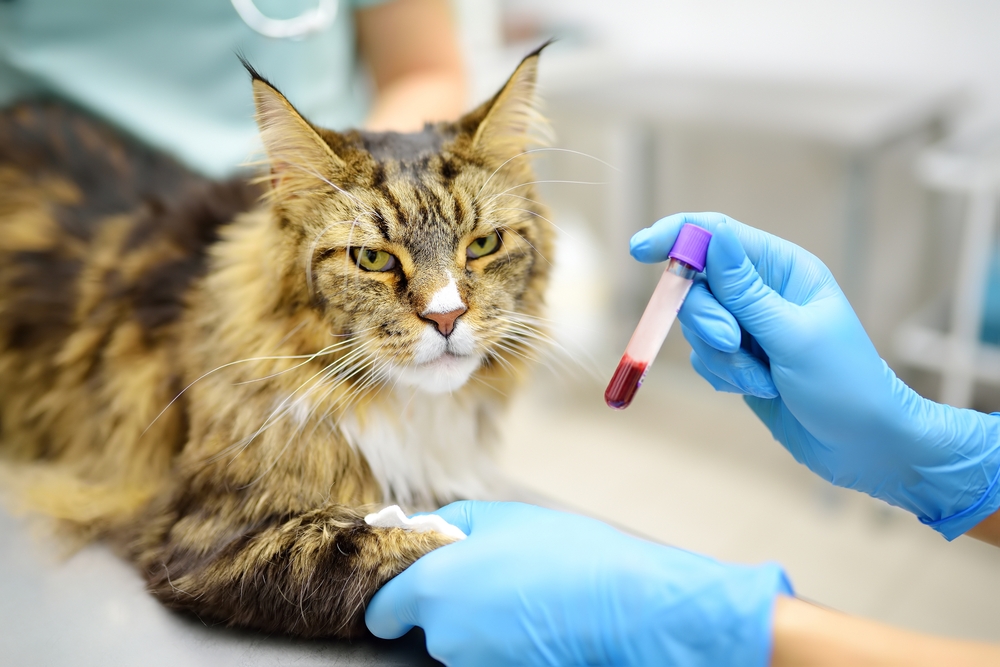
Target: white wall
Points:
(887, 42)
(792, 187)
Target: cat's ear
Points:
(511, 122)
(298, 156)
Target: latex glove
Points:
(531, 586)
(768, 320)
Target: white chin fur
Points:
(438, 377)
(440, 365)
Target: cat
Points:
(219, 379)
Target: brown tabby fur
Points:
(128, 284)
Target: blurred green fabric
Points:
(990, 331)
(166, 70)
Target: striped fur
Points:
(214, 386)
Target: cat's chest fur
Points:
(426, 449)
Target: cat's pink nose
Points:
(445, 321)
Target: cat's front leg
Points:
(310, 575)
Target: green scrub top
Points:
(166, 70)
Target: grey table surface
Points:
(91, 609)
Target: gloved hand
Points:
(531, 586)
(768, 320)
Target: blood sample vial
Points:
(686, 258)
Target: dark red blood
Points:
(624, 383)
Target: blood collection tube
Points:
(686, 258)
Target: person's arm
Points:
(805, 634)
(413, 53)
(987, 530)
(532, 586)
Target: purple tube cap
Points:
(691, 246)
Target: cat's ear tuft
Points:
(298, 156)
(511, 121)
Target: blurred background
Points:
(863, 131)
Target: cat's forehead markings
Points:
(403, 148)
(382, 226)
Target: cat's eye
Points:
(373, 260)
(483, 246)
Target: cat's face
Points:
(428, 249)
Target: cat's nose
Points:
(445, 321)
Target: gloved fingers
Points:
(740, 369)
(705, 316)
(652, 244)
(393, 611)
(738, 287)
(732, 277)
(718, 384)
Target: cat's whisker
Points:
(536, 326)
(530, 353)
(526, 316)
(511, 229)
(288, 336)
(358, 386)
(526, 329)
(543, 149)
(327, 350)
(317, 422)
(312, 172)
(370, 378)
(499, 358)
(323, 399)
(537, 215)
(357, 264)
(521, 197)
(510, 344)
(385, 371)
(500, 236)
(287, 404)
(355, 373)
(555, 149)
(269, 468)
(488, 385)
(497, 170)
(227, 365)
(346, 372)
(499, 228)
(288, 443)
(395, 382)
(360, 390)
(524, 185)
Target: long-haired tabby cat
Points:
(221, 388)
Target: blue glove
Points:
(768, 320)
(532, 586)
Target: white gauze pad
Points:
(393, 517)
